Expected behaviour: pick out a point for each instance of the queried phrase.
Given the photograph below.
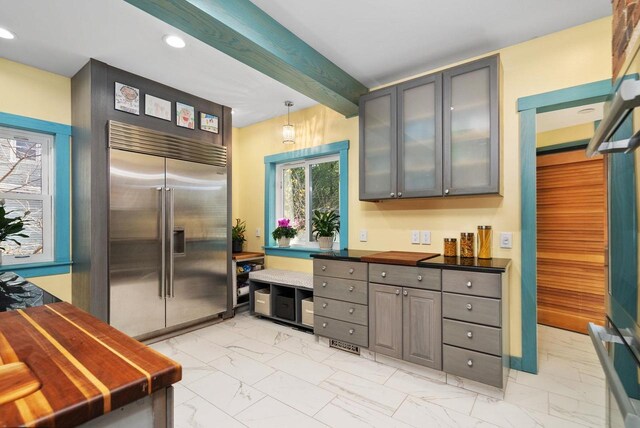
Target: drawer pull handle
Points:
(350, 271)
(470, 334)
(419, 277)
(383, 274)
(351, 288)
(469, 307)
(324, 284)
(351, 331)
(470, 363)
(397, 292)
(324, 325)
(405, 293)
(469, 284)
(324, 305)
(324, 267)
(351, 310)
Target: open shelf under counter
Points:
(256, 261)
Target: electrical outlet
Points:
(363, 235)
(506, 240)
(257, 232)
(425, 237)
(415, 236)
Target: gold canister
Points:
(450, 247)
(466, 245)
(485, 239)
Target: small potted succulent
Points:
(237, 235)
(284, 232)
(325, 226)
(10, 227)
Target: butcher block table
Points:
(60, 366)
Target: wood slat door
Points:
(572, 236)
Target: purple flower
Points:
(283, 222)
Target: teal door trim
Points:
(243, 31)
(528, 107)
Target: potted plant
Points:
(325, 225)
(237, 235)
(284, 232)
(10, 227)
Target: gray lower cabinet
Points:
(405, 323)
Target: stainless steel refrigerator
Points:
(167, 231)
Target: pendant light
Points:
(288, 131)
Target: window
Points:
(26, 187)
(304, 186)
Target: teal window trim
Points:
(61, 195)
(340, 148)
(528, 107)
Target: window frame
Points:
(341, 151)
(60, 189)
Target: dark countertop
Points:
(18, 293)
(349, 255)
(458, 263)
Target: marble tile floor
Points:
(249, 372)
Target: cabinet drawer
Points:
(341, 330)
(340, 289)
(474, 283)
(472, 336)
(340, 269)
(473, 309)
(406, 276)
(339, 310)
(473, 365)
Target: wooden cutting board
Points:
(16, 381)
(405, 258)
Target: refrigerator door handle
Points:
(171, 192)
(163, 236)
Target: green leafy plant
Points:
(238, 230)
(10, 227)
(325, 223)
(284, 230)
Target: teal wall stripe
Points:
(61, 195)
(344, 195)
(515, 363)
(529, 360)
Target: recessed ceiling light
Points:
(174, 41)
(586, 110)
(6, 34)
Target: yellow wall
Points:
(28, 91)
(565, 135)
(572, 57)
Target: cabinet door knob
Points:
(351, 331)
(397, 292)
(469, 307)
(324, 267)
(351, 288)
(470, 363)
(324, 325)
(392, 194)
(383, 274)
(446, 191)
(351, 271)
(324, 284)
(324, 305)
(470, 334)
(351, 310)
(399, 194)
(469, 284)
(419, 277)
(405, 293)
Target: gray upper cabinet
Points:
(436, 135)
(471, 133)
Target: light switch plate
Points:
(425, 237)
(257, 232)
(506, 240)
(363, 235)
(415, 236)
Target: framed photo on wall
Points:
(127, 98)
(209, 122)
(157, 107)
(185, 116)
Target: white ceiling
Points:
(573, 116)
(375, 41)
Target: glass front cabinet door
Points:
(471, 134)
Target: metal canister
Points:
(485, 238)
